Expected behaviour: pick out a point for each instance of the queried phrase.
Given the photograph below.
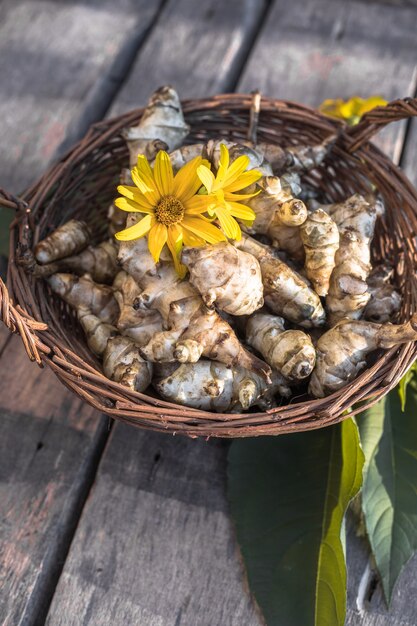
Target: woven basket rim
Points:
(24, 314)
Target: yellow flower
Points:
(172, 207)
(350, 110)
(221, 199)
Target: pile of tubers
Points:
(294, 306)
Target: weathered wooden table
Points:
(103, 524)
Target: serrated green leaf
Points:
(389, 495)
(288, 498)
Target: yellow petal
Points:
(203, 229)
(206, 177)
(241, 211)
(186, 181)
(133, 193)
(175, 246)
(163, 174)
(145, 171)
(149, 191)
(235, 170)
(137, 230)
(192, 240)
(244, 180)
(240, 196)
(157, 238)
(371, 103)
(199, 204)
(223, 163)
(228, 225)
(132, 207)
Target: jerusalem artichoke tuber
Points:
(290, 352)
(385, 301)
(348, 290)
(211, 386)
(195, 331)
(320, 237)
(66, 240)
(226, 276)
(96, 331)
(99, 262)
(342, 351)
(123, 364)
(138, 324)
(285, 292)
(86, 294)
(274, 208)
(162, 119)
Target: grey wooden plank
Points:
(335, 49)
(155, 544)
(60, 65)
(49, 446)
(57, 63)
(199, 47)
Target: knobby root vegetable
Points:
(290, 352)
(294, 158)
(196, 331)
(123, 364)
(134, 256)
(288, 239)
(342, 351)
(97, 332)
(348, 291)
(86, 294)
(162, 119)
(161, 288)
(226, 276)
(183, 155)
(274, 208)
(320, 237)
(138, 324)
(256, 159)
(385, 301)
(100, 262)
(211, 386)
(66, 240)
(286, 293)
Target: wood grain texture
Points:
(60, 63)
(336, 49)
(49, 442)
(198, 47)
(155, 545)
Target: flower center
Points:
(169, 210)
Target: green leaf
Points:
(288, 497)
(389, 495)
(403, 384)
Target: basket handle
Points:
(14, 317)
(17, 321)
(375, 120)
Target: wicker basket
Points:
(82, 184)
